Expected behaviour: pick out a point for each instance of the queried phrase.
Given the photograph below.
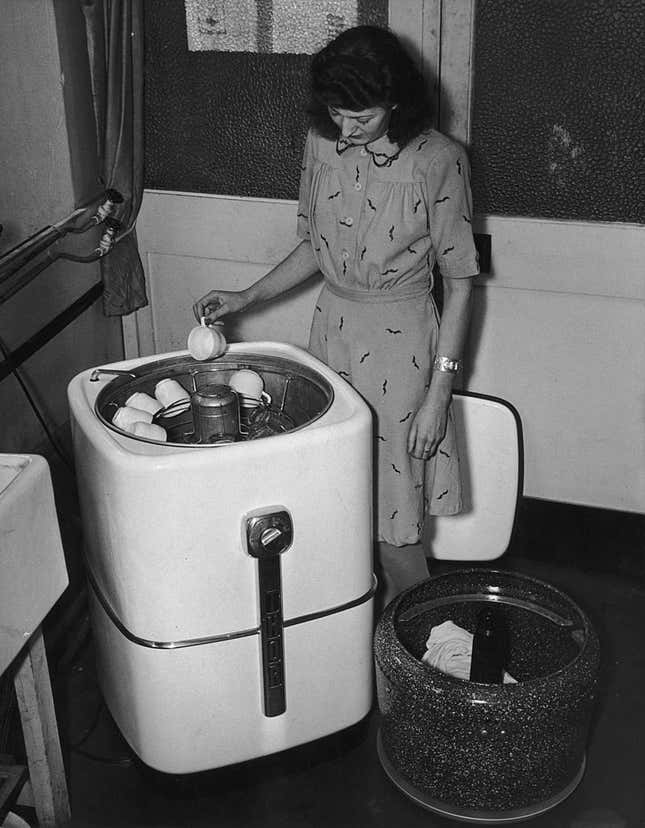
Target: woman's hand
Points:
(431, 420)
(218, 303)
(428, 429)
(299, 265)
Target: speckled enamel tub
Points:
(482, 753)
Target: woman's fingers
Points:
(424, 451)
(219, 303)
(207, 305)
(412, 438)
(199, 307)
(214, 312)
(419, 445)
(207, 311)
(425, 435)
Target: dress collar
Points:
(383, 151)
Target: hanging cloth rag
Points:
(115, 47)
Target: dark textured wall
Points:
(230, 123)
(559, 117)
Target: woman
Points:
(383, 198)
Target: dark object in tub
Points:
(266, 421)
(486, 752)
(490, 647)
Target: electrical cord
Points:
(74, 746)
(14, 370)
(121, 761)
(77, 746)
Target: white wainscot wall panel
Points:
(191, 243)
(559, 331)
(558, 326)
(287, 320)
(573, 367)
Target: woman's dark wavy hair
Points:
(363, 67)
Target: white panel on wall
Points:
(557, 327)
(573, 367)
(171, 301)
(592, 258)
(558, 330)
(192, 243)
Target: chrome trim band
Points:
(301, 619)
(214, 639)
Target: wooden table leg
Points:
(40, 730)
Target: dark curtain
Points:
(115, 45)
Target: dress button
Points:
(363, 151)
(345, 254)
(349, 221)
(358, 186)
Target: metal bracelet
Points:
(446, 365)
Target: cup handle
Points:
(219, 323)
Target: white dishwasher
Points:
(231, 583)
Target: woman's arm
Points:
(455, 318)
(429, 425)
(299, 265)
(450, 201)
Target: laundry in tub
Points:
(449, 648)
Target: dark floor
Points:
(597, 557)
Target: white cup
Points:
(126, 416)
(144, 401)
(169, 391)
(150, 430)
(206, 341)
(249, 403)
(248, 384)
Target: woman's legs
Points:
(397, 568)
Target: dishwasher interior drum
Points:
(231, 583)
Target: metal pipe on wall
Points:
(16, 258)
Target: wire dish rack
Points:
(295, 396)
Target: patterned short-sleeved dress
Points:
(378, 218)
